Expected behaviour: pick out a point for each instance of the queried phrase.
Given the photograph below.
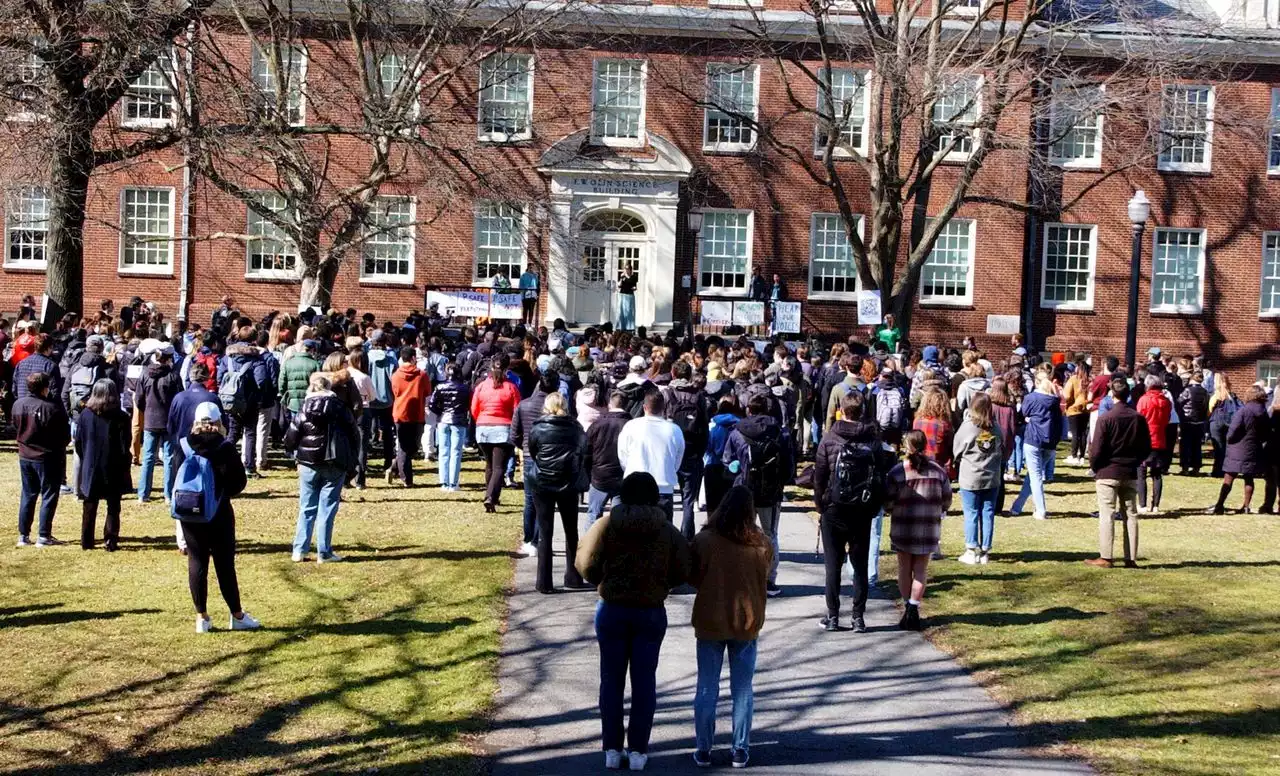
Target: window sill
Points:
(1075, 165)
(277, 279)
(833, 296)
(841, 155)
(24, 269)
(728, 150)
(145, 273)
(386, 283)
(1067, 308)
(734, 3)
(612, 142)
(504, 139)
(138, 126)
(1202, 172)
(1271, 316)
(964, 304)
(1173, 312)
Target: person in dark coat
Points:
(558, 446)
(522, 421)
(1121, 444)
(103, 435)
(759, 430)
(41, 362)
(43, 433)
(323, 437)
(1273, 456)
(1193, 410)
(243, 356)
(1246, 439)
(602, 457)
(159, 386)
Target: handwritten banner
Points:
(717, 313)
(786, 317)
(748, 313)
(506, 307)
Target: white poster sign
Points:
(786, 317)
(506, 307)
(748, 313)
(869, 308)
(717, 313)
(472, 304)
(444, 300)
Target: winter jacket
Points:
(102, 442)
(295, 376)
(229, 476)
(382, 365)
(1043, 414)
(1156, 408)
(527, 413)
(451, 402)
(721, 426)
(757, 429)
(43, 430)
(410, 387)
(559, 448)
(971, 387)
(182, 415)
(654, 445)
(841, 433)
(323, 431)
(1005, 420)
(635, 556)
(156, 392)
(1246, 441)
(979, 456)
(731, 579)
(1193, 405)
(1121, 442)
(1075, 396)
(494, 405)
(87, 360)
(129, 371)
(684, 392)
(36, 363)
(602, 451)
(243, 356)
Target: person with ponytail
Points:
(919, 494)
(493, 405)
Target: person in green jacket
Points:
(888, 333)
(295, 374)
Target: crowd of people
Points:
(624, 422)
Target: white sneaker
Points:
(299, 557)
(1040, 516)
(203, 624)
(969, 558)
(332, 557)
(528, 550)
(246, 622)
(613, 760)
(24, 541)
(1153, 511)
(984, 558)
(637, 761)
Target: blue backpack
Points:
(195, 498)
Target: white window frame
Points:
(832, 296)
(476, 280)
(966, 10)
(735, 3)
(1274, 312)
(257, 52)
(841, 151)
(621, 142)
(503, 137)
(1056, 131)
(1202, 167)
(158, 269)
(268, 274)
(976, 133)
(171, 93)
(1273, 136)
(947, 301)
(1198, 307)
(10, 227)
(415, 110)
(1268, 365)
(1053, 304)
(35, 65)
(717, 147)
(382, 277)
(751, 240)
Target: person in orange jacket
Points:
(1156, 407)
(410, 387)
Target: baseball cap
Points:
(208, 411)
(930, 353)
(637, 363)
(544, 362)
(311, 344)
(1153, 351)
(1019, 351)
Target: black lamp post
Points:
(1139, 212)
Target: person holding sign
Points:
(627, 299)
(529, 295)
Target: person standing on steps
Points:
(979, 452)
(730, 562)
(848, 487)
(409, 387)
(919, 494)
(1245, 455)
(529, 296)
(558, 447)
(1156, 407)
(43, 433)
(635, 556)
(493, 405)
(759, 456)
(1121, 444)
(102, 439)
(627, 299)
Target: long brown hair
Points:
(735, 518)
(914, 444)
(934, 404)
(980, 411)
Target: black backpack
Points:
(685, 410)
(764, 475)
(857, 480)
(634, 401)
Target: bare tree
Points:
(67, 66)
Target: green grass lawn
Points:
(1173, 668)
(382, 663)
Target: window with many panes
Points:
(833, 274)
(843, 112)
(146, 230)
(499, 240)
(26, 227)
(1186, 129)
(387, 253)
(1075, 131)
(617, 102)
(947, 275)
(1269, 303)
(1273, 155)
(1269, 373)
(1067, 269)
(269, 251)
(282, 83)
(724, 253)
(1177, 264)
(506, 97)
(730, 115)
(392, 70)
(28, 86)
(955, 112)
(149, 102)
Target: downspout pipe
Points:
(184, 229)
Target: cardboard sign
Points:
(869, 308)
(506, 307)
(748, 313)
(786, 317)
(717, 313)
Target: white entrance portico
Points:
(610, 211)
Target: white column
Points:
(661, 282)
(560, 297)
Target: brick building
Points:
(604, 153)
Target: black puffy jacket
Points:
(323, 431)
(559, 447)
(452, 402)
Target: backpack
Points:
(195, 498)
(856, 480)
(82, 380)
(236, 392)
(889, 410)
(764, 475)
(211, 361)
(634, 401)
(684, 409)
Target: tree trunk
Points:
(318, 278)
(71, 167)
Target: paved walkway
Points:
(883, 702)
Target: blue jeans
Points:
(530, 519)
(979, 517)
(452, 439)
(154, 442)
(690, 477)
(626, 312)
(597, 500)
(1015, 460)
(1033, 486)
(630, 639)
(742, 669)
(319, 494)
(43, 479)
(873, 553)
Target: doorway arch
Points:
(610, 240)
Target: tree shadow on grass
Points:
(1002, 619)
(1044, 556)
(382, 555)
(391, 627)
(45, 615)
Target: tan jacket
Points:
(731, 580)
(1075, 396)
(635, 556)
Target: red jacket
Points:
(494, 405)
(1156, 408)
(409, 387)
(23, 346)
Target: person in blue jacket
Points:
(1042, 410)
